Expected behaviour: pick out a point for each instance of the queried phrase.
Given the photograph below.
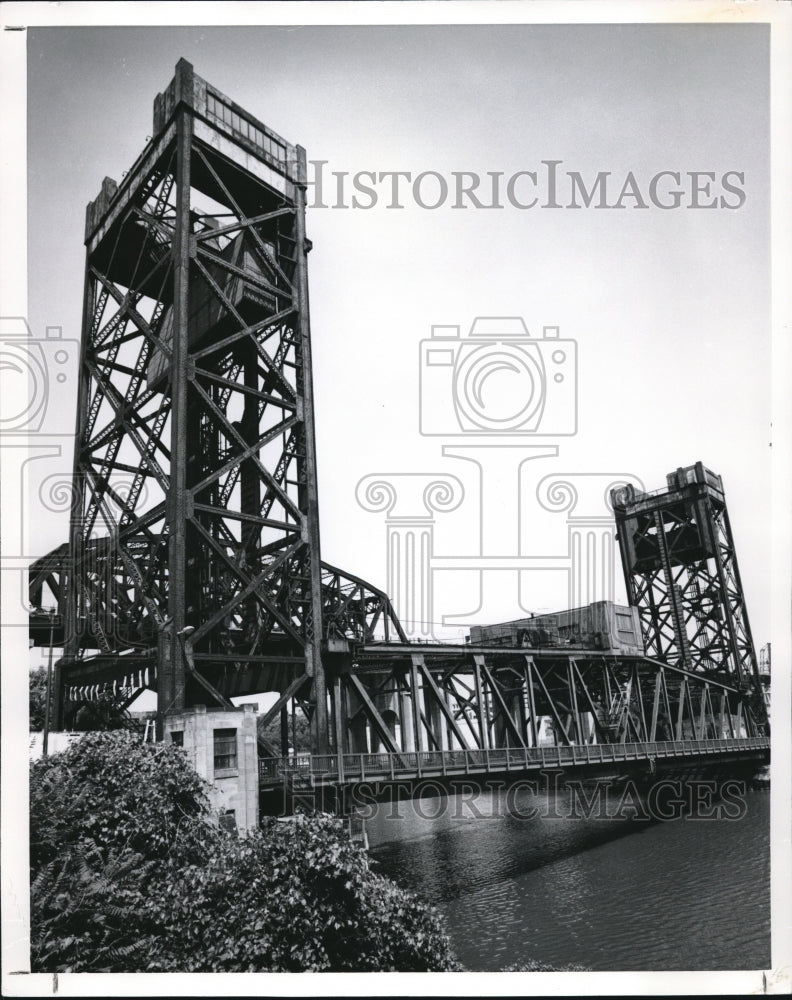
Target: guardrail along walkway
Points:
(351, 768)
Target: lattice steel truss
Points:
(681, 573)
(195, 454)
(442, 698)
(193, 566)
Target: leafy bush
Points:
(115, 791)
(86, 909)
(295, 896)
(129, 873)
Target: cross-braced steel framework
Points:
(195, 454)
(400, 697)
(404, 714)
(681, 573)
(194, 567)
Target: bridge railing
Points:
(361, 766)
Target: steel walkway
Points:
(349, 769)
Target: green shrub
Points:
(295, 896)
(129, 873)
(115, 791)
(88, 911)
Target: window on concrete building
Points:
(177, 737)
(225, 749)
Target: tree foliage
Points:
(37, 698)
(296, 896)
(115, 791)
(129, 872)
(299, 732)
(86, 913)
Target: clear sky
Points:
(670, 309)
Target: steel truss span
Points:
(193, 566)
(400, 698)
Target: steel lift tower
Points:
(193, 565)
(681, 572)
(195, 456)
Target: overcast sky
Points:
(669, 309)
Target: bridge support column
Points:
(483, 714)
(357, 728)
(339, 716)
(358, 735)
(437, 725)
(171, 668)
(514, 706)
(406, 721)
(284, 730)
(416, 705)
(387, 704)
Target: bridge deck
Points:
(404, 766)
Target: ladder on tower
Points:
(674, 593)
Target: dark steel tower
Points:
(681, 572)
(195, 457)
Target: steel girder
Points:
(353, 611)
(404, 698)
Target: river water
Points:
(613, 894)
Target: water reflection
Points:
(602, 894)
(446, 849)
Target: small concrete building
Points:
(222, 747)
